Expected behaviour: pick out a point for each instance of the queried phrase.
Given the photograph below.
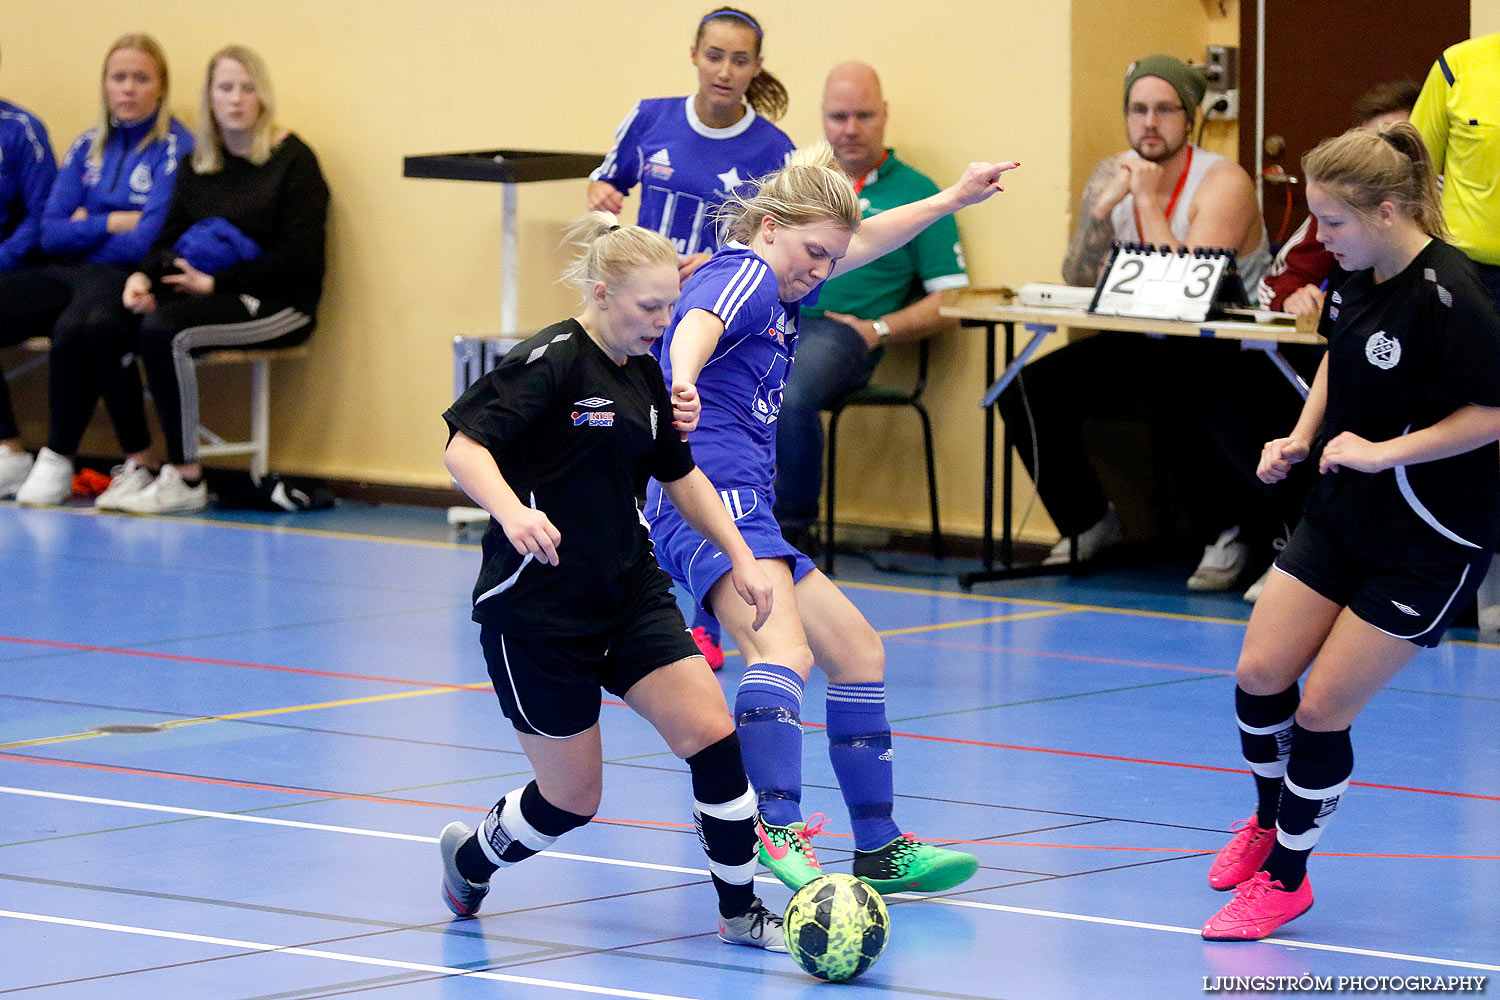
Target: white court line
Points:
(590, 859)
(1311, 945)
(336, 956)
(356, 831)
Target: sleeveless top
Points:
(1252, 266)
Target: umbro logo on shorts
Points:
(1406, 610)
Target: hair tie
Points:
(1391, 142)
(730, 12)
(612, 229)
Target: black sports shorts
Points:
(548, 685)
(1414, 595)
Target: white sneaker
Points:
(1253, 593)
(14, 467)
(124, 481)
(1222, 562)
(1105, 532)
(50, 481)
(168, 494)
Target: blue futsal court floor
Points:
(226, 750)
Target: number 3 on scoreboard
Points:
(1200, 281)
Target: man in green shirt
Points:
(893, 299)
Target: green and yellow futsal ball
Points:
(836, 927)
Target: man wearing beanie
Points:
(1166, 191)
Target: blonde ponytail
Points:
(608, 251)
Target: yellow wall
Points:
(414, 262)
(1484, 17)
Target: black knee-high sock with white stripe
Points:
(1317, 773)
(521, 824)
(724, 812)
(1265, 740)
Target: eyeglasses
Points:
(1160, 110)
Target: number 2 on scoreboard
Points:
(1123, 284)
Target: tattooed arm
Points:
(1089, 248)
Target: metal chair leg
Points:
(828, 489)
(932, 495)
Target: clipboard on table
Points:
(1160, 282)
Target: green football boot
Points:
(787, 850)
(908, 865)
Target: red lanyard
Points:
(1176, 193)
(859, 185)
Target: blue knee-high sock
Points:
(768, 718)
(859, 745)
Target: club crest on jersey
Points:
(766, 406)
(593, 418)
(1382, 352)
(140, 179)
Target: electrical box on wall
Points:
(1222, 67)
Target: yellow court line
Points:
(275, 529)
(1060, 605)
(257, 713)
(849, 584)
(940, 626)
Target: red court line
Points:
(1170, 763)
(230, 783)
(148, 654)
(652, 824)
(809, 725)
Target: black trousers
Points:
(1210, 406)
(185, 325)
(79, 307)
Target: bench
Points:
(258, 445)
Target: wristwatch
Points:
(882, 330)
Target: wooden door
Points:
(1320, 57)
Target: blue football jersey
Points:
(686, 169)
(741, 384)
